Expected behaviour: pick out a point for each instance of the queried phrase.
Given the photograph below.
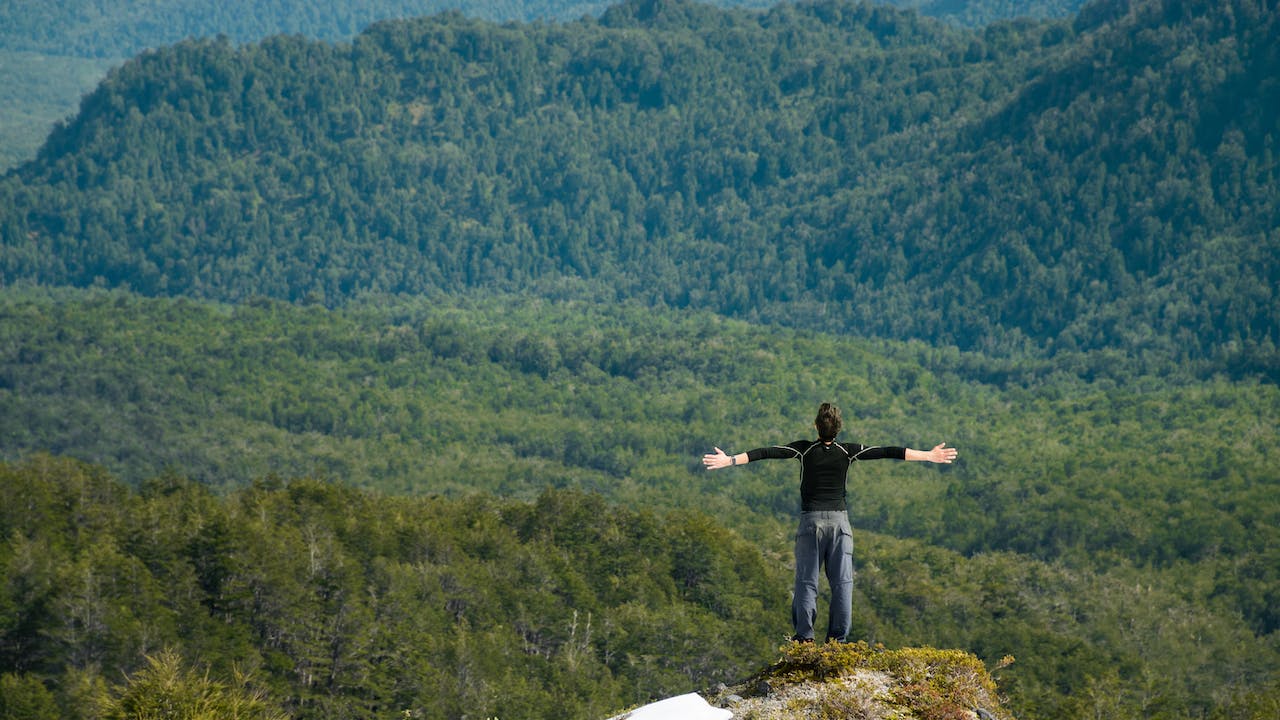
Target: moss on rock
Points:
(856, 680)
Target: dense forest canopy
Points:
(54, 52)
(1109, 536)
(1028, 188)
(337, 603)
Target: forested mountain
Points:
(48, 49)
(1039, 186)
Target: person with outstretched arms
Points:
(824, 539)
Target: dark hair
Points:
(828, 421)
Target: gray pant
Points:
(823, 540)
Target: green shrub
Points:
(167, 689)
(23, 697)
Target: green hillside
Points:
(54, 51)
(835, 166)
(624, 401)
(124, 28)
(1107, 536)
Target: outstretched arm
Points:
(716, 460)
(939, 454)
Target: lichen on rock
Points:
(856, 680)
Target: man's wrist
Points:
(733, 459)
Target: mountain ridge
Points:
(56, 54)
(870, 174)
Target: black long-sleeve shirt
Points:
(824, 467)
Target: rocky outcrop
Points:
(851, 680)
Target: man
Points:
(824, 538)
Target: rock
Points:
(846, 680)
(855, 680)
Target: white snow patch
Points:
(681, 707)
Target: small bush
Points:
(23, 697)
(169, 690)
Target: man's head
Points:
(828, 422)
